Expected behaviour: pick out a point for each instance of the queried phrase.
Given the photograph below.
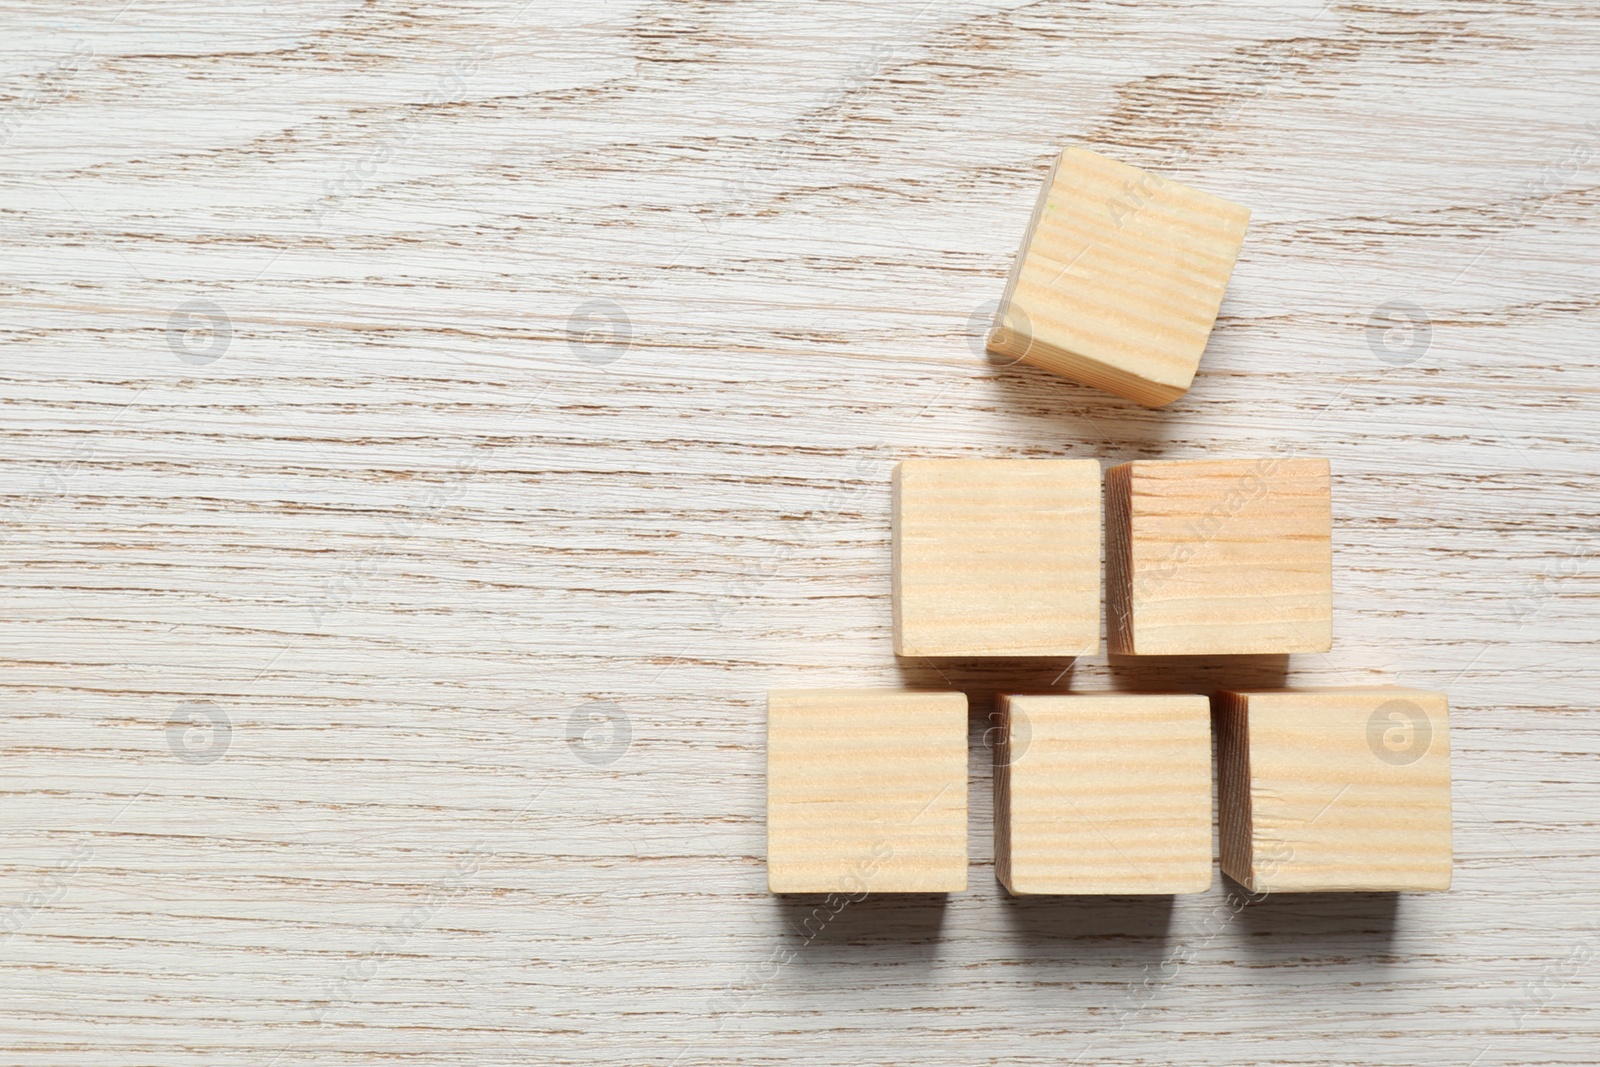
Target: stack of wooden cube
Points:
(1111, 793)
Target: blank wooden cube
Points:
(997, 557)
(1103, 793)
(1119, 279)
(866, 791)
(1334, 789)
(1217, 557)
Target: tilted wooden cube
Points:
(1119, 279)
(1219, 557)
(1334, 789)
(997, 557)
(866, 791)
(1103, 793)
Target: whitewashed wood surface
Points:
(480, 585)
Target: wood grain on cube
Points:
(1103, 793)
(1119, 279)
(866, 791)
(997, 557)
(1217, 557)
(1335, 789)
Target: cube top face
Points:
(1104, 793)
(1335, 789)
(1120, 278)
(1219, 557)
(997, 557)
(866, 791)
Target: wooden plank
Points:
(997, 557)
(1219, 556)
(1103, 793)
(1335, 789)
(427, 517)
(866, 791)
(1119, 279)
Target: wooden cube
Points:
(866, 791)
(1119, 279)
(1103, 793)
(1334, 789)
(1217, 557)
(997, 557)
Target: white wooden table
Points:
(430, 430)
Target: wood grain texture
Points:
(866, 791)
(1119, 278)
(1335, 789)
(1103, 794)
(1219, 556)
(568, 353)
(996, 557)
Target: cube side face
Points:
(1121, 278)
(1008, 334)
(997, 558)
(1005, 748)
(1119, 559)
(1350, 790)
(866, 791)
(1225, 557)
(1108, 794)
(1235, 836)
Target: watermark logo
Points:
(744, 190)
(1399, 332)
(1399, 732)
(449, 88)
(199, 332)
(1135, 195)
(1010, 735)
(986, 319)
(599, 733)
(599, 332)
(393, 939)
(199, 733)
(51, 89)
(50, 890)
(979, 323)
(756, 979)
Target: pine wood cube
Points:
(1119, 279)
(997, 557)
(1334, 789)
(866, 791)
(1103, 793)
(1219, 557)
